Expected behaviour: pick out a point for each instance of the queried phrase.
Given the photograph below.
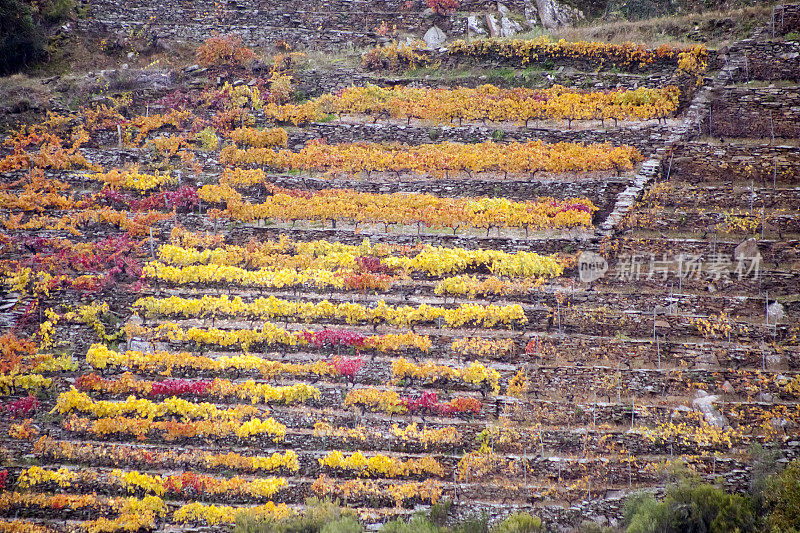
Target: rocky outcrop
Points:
(554, 14)
(475, 26)
(509, 28)
(704, 403)
(493, 25)
(531, 13)
(434, 37)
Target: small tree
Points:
(690, 507)
(782, 496)
(21, 38)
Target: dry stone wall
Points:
(646, 138)
(315, 82)
(785, 19)
(756, 112)
(319, 23)
(698, 161)
(601, 191)
(314, 24)
(763, 60)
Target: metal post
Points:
(559, 317)
(771, 128)
(669, 167)
(774, 173)
(658, 349)
(654, 323)
(541, 440)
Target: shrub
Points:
(473, 525)
(782, 496)
(395, 56)
(764, 466)
(21, 38)
(443, 7)
(320, 516)
(587, 526)
(417, 524)
(224, 50)
(519, 523)
(347, 524)
(439, 511)
(57, 10)
(692, 508)
(208, 138)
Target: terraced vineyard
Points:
(209, 309)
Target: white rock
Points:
(494, 26)
(706, 360)
(531, 13)
(555, 15)
(434, 37)
(747, 249)
(704, 403)
(503, 9)
(508, 27)
(475, 25)
(775, 312)
(765, 397)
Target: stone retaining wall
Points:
(645, 137)
(764, 60)
(313, 24)
(755, 112)
(601, 191)
(697, 161)
(785, 19)
(316, 82)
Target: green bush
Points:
(247, 523)
(587, 526)
(690, 508)
(782, 496)
(519, 523)
(764, 465)
(58, 10)
(22, 40)
(473, 525)
(417, 524)
(347, 524)
(320, 516)
(439, 511)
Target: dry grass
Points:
(715, 28)
(20, 93)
